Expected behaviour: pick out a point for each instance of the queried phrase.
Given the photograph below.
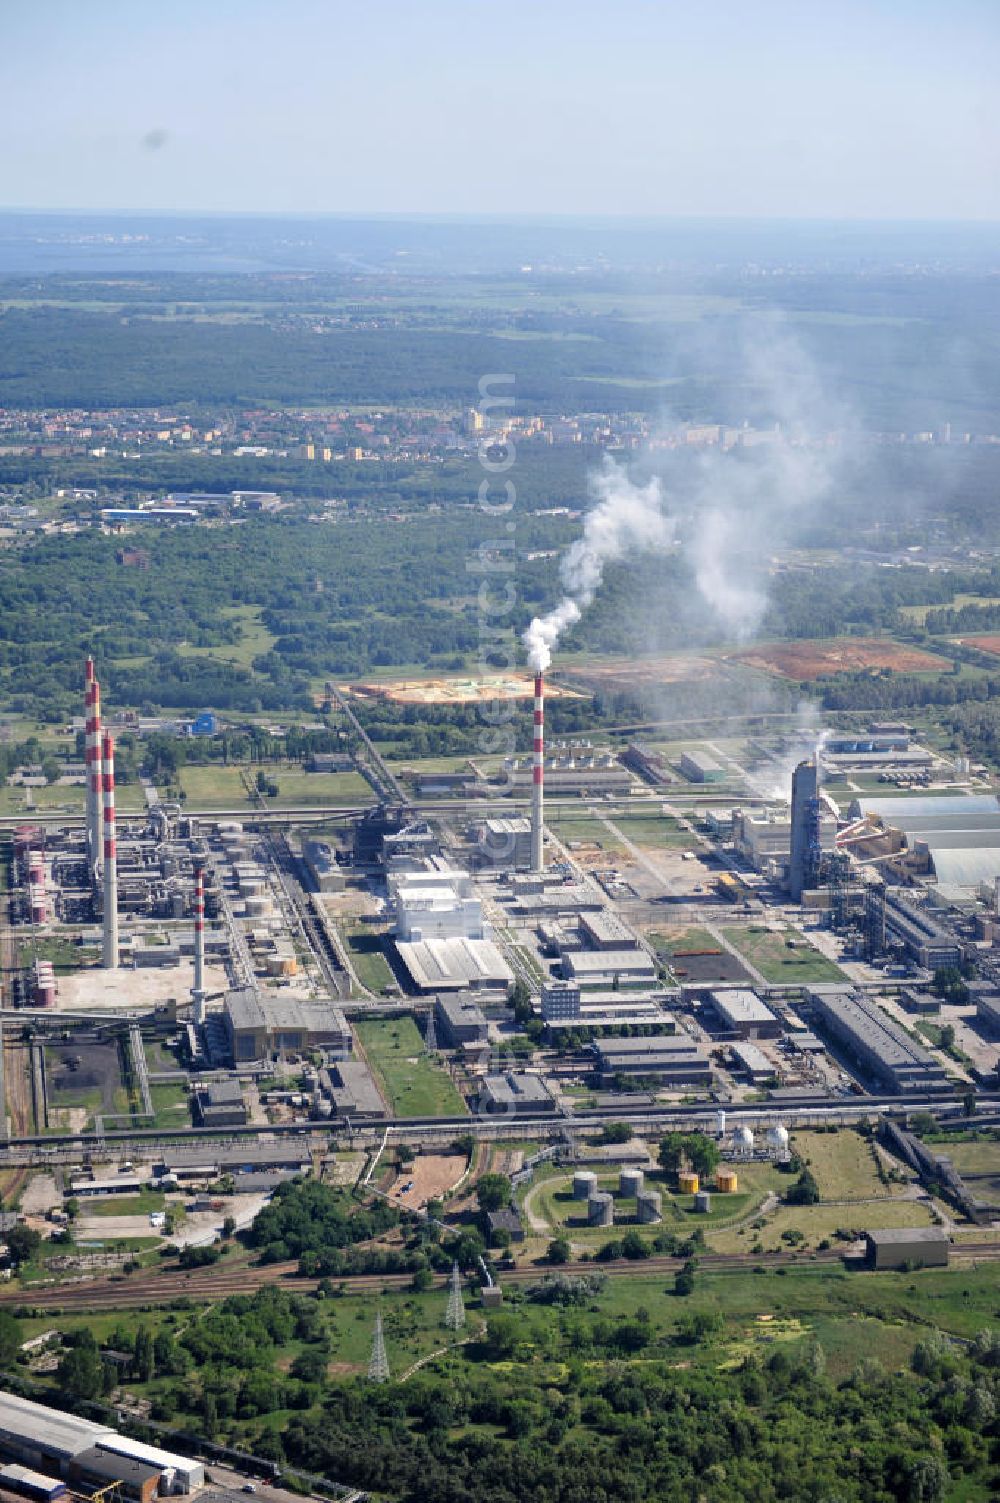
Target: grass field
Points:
(170, 1106)
(254, 641)
(843, 1163)
(820, 1222)
(657, 830)
(768, 951)
(919, 613)
(125, 1205)
(365, 947)
(214, 786)
(690, 939)
(412, 1083)
(570, 828)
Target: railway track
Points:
(207, 1286)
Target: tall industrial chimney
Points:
(538, 780)
(92, 754)
(198, 990)
(110, 956)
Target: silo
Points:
(687, 1182)
(584, 1184)
(703, 1201)
(720, 1124)
(647, 1205)
(601, 1209)
(630, 1182)
(726, 1180)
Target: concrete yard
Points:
(137, 990)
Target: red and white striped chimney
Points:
(110, 956)
(92, 755)
(198, 990)
(538, 779)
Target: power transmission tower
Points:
(378, 1367)
(454, 1316)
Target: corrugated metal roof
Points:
(906, 808)
(957, 867)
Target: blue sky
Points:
(818, 108)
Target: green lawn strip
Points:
(770, 953)
(366, 947)
(414, 1085)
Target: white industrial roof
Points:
(52, 1428)
(454, 963)
(902, 811)
(741, 1005)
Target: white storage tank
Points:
(584, 1184)
(647, 1206)
(601, 1209)
(743, 1141)
(630, 1182)
(777, 1137)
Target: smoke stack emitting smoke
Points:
(538, 779)
(626, 516)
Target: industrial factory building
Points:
(741, 1012)
(604, 930)
(670, 1059)
(503, 843)
(924, 939)
(764, 839)
(953, 841)
(698, 767)
(455, 965)
(220, 1104)
(352, 1090)
(608, 968)
(258, 1025)
(90, 1455)
(882, 1048)
(515, 1094)
(907, 1247)
(459, 1021)
(321, 866)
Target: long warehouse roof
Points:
(52, 1428)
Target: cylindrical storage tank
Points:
(687, 1182)
(647, 1206)
(601, 1209)
(726, 1180)
(258, 907)
(720, 1124)
(630, 1182)
(743, 1141)
(251, 887)
(584, 1184)
(703, 1201)
(777, 1137)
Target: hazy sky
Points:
(839, 108)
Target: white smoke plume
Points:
(626, 517)
(744, 506)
